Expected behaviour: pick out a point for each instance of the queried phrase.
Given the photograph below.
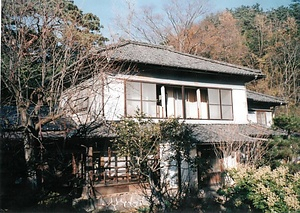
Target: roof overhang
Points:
(232, 133)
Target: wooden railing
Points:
(108, 168)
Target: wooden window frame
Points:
(259, 115)
(220, 105)
(141, 100)
(183, 89)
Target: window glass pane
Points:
(177, 94)
(148, 91)
(149, 108)
(190, 95)
(226, 97)
(213, 96)
(203, 95)
(132, 107)
(133, 90)
(226, 112)
(214, 112)
(261, 118)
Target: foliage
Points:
(53, 199)
(137, 138)
(178, 134)
(175, 21)
(140, 139)
(272, 38)
(41, 40)
(263, 189)
(284, 150)
(46, 46)
(289, 123)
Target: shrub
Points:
(263, 189)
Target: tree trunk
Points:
(28, 143)
(178, 159)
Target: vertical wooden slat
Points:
(183, 103)
(109, 162)
(127, 168)
(163, 102)
(116, 168)
(90, 162)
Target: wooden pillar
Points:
(90, 163)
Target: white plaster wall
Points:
(230, 161)
(252, 117)
(168, 170)
(240, 108)
(95, 100)
(190, 175)
(67, 100)
(269, 117)
(114, 99)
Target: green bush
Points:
(263, 189)
(289, 123)
(283, 152)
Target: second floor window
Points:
(141, 96)
(161, 101)
(220, 104)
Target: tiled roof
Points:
(206, 133)
(165, 56)
(216, 133)
(255, 96)
(98, 129)
(9, 120)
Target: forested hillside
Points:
(250, 36)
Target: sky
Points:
(106, 10)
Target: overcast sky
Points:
(106, 10)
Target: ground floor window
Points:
(261, 117)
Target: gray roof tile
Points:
(165, 56)
(216, 133)
(255, 96)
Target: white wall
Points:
(252, 117)
(240, 108)
(269, 118)
(114, 99)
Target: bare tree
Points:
(47, 46)
(151, 25)
(217, 37)
(278, 57)
(239, 145)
